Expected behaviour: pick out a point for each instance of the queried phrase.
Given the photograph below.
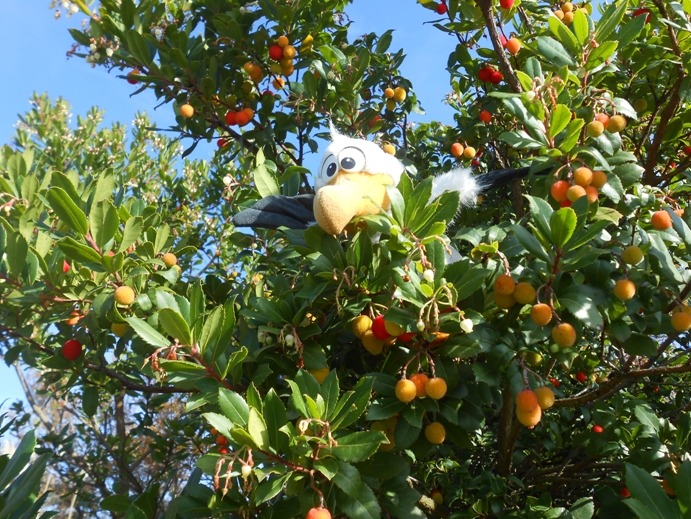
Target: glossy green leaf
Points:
(175, 325)
(233, 406)
(561, 117)
(148, 334)
(104, 222)
(647, 491)
(563, 223)
(67, 210)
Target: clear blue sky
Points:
(34, 60)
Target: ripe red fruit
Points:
(625, 493)
(379, 328)
(223, 450)
(496, 77)
(231, 118)
(485, 73)
(639, 12)
(72, 349)
(441, 8)
(555, 382)
(318, 513)
(581, 377)
(65, 266)
(220, 143)
(275, 52)
(687, 150)
(597, 429)
(485, 116)
(406, 337)
(132, 77)
(506, 4)
(502, 40)
(221, 440)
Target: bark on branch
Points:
(504, 64)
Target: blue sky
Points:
(35, 61)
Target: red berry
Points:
(485, 73)
(379, 328)
(220, 143)
(687, 150)
(502, 40)
(231, 118)
(597, 429)
(276, 52)
(72, 349)
(496, 77)
(581, 377)
(441, 8)
(65, 266)
(223, 450)
(566, 203)
(625, 493)
(221, 440)
(555, 382)
(485, 116)
(131, 77)
(641, 11)
(406, 337)
(506, 4)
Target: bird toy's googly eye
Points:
(329, 167)
(351, 159)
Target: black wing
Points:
(272, 212)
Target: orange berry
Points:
(513, 46)
(289, 52)
(74, 319)
(575, 192)
(279, 83)
(592, 194)
(524, 293)
(504, 301)
(564, 335)
(389, 148)
(257, 74)
(603, 118)
(583, 176)
(661, 220)
(599, 179)
(681, 321)
(559, 14)
(624, 289)
(406, 390)
(169, 259)
(317, 513)
(457, 149)
(124, 295)
(241, 118)
(545, 397)
(187, 111)
(436, 388)
(282, 41)
(249, 67)
(616, 124)
(559, 190)
(249, 112)
(388, 93)
(567, 7)
(435, 433)
(568, 18)
(541, 314)
(526, 400)
(504, 285)
(420, 379)
(529, 418)
(679, 212)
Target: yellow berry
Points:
(371, 343)
(469, 152)
(564, 335)
(624, 289)
(616, 124)
(118, 329)
(599, 179)
(504, 301)
(389, 93)
(632, 255)
(524, 293)
(393, 329)
(361, 324)
(681, 321)
(436, 388)
(406, 391)
(583, 176)
(187, 111)
(169, 259)
(504, 285)
(529, 418)
(545, 397)
(282, 41)
(399, 94)
(124, 295)
(435, 433)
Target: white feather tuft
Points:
(461, 180)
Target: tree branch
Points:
(504, 64)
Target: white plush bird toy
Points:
(351, 181)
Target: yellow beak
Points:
(344, 198)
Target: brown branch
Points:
(504, 64)
(508, 433)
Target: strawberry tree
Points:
(541, 373)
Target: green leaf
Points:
(78, 252)
(174, 324)
(581, 301)
(347, 478)
(104, 221)
(162, 235)
(363, 505)
(327, 466)
(601, 54)
(270, 488)
(584, 507)
(639, 344)
(645, 489)
(563, 223)
(138, 47)
(213, 327)
(541, 212)
(573, 133)
(256, 427)
(90, 400)
(580, 26)
(684, 487)
(17, 250)
(530, 243)
(275, 416)
(561, 117)
(233, 406)
(358, 446)
(132, 232)
(265, 181)
(554, 52)
(630, 31)
(19, 459)
(610, 20)
(116, 503)
(148, 334)
(647, 417)
(104, 186)
(564, 35)
(67, 210)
